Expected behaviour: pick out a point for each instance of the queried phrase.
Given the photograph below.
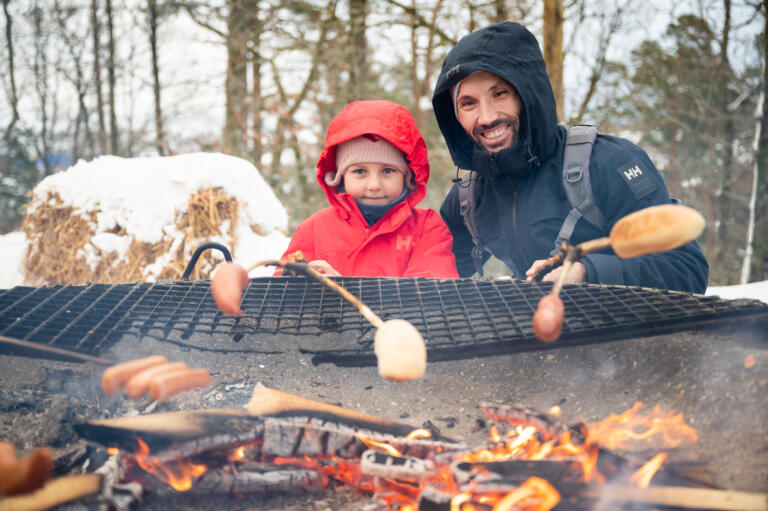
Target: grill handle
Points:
(196, 255)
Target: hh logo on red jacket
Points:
(403, 242)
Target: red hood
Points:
(389, 120)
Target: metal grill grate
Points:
(458, 318)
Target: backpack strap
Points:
(468, 208)
(579, 140)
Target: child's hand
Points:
(323, 268)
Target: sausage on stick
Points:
(646, 231)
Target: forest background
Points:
(261, 79)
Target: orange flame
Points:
(380, 445)
(112, 451)
(179, 478)
(535, 494)
(419, 433)
(642, 478)
(239, 454)
(618, 431)
(555, 410)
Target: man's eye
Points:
(467, 103)
(501, 92)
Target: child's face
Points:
(373, 184)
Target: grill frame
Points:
(458, 318)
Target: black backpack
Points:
(578, 148)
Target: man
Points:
(496, 109)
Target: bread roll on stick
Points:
(400, 350)
(655, 229)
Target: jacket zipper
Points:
(515, 229)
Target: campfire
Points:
(287, 444)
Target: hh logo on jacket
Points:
(403, 242)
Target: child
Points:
(374, 170)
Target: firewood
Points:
(266, 401)
(54, 493)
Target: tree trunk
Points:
(358, 49)
(746, 265)
(257, 102)
(160, 141)
(111, 81)
(236, 85)
(760, 259)
(14, 99)
(553, 50)
(724, 207)
(95, 32)
(40, 71)
(501, 13)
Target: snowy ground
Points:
(143, 194)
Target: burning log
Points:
(266, 401)
(244, 478)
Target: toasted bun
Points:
(400, 350)
(655, 229)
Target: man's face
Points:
(489, 108)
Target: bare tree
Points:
(553, 50)
(76, 77)
(424, 59)
(160, 142)
(96, 35)
(14, 99)
(236, 84)
(358, 49)
(111, 63)
(759, 264)
(611, 23)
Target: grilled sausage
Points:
(227, 287)
(166, 384)
(24, 475)
(116, 376)
(138, 385)
(548, 320)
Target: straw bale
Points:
(59, 237)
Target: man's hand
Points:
(323, 268)
(576, 275)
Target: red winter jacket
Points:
(408, 241)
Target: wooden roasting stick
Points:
(672, 496)
(647, 231)
(400, 350)
(54, 351)
(54, 493)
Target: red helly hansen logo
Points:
(402, 243)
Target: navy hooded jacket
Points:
(521, 204)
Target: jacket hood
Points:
(392, 122)
(511, 52)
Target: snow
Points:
(144, 195)
(755, 290)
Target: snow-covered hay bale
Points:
(128, 220)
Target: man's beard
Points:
(514, 126)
